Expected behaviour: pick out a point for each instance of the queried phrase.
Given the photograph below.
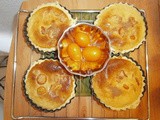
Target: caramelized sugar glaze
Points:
(120, 85)
(125, 25)
(46, 25)
(84, 49)
(49, 85)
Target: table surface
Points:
(152, 10)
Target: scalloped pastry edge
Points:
(142, 13)
(136, 102)
(70, 70)
(33, 103)
(54, 4)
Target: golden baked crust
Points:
(48, 85)
(125, 25)
(46, 24)
(84, 49)
(120, 85)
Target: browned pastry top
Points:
(48, 84)
(46, 24)
(125, 26)
(120, 84)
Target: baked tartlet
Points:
(46, 24)
(120, 85)
(125, 24)
(48, 85)
(84, 49)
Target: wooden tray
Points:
(83, 105)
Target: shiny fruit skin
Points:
(66, 42)
(74, 52)
(91, 54)
(82, 39)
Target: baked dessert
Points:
(46, 24)
(84, 49)
(48, 85)
(120, 85)
(125, 25)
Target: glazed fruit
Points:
(91, 54)
(74, 52)
(82, 39)
(84, 49)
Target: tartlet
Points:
(46, 24)
(125, 24)
(48, 85)
(84, 49)
(120, 85)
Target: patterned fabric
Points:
(3, 65)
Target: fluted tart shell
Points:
(125, 24)
(46, 24)
(120, 85)
(48, 85)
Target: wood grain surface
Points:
(86, 107)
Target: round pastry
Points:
(84, 49)
(48, 85)
(125, 25)
(120, 85)
(46, 24)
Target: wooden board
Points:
(86, 107)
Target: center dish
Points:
(84, 49)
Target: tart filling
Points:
(120, 85)
(48, 85)
(125, 25)
(46, 24)
(84, 49)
